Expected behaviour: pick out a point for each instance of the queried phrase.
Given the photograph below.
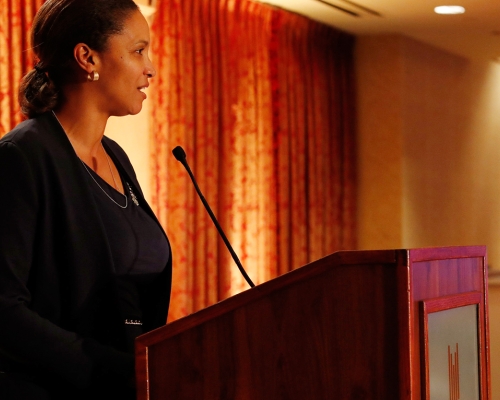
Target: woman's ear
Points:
(85, 58)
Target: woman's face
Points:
(125, 68)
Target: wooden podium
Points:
(353, 325)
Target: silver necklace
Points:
(106, 193)
(132, 194)
(109, 166)
(92, 176)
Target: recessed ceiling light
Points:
(449, 10)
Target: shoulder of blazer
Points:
(40, 136)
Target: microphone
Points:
(180, 155)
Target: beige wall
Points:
(428, 146)
(429, 153)
(380, 143)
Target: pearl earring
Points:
(93, 76)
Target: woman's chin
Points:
(136, 110)
(130, 111)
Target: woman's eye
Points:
(139, 51)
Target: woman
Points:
(84, 265)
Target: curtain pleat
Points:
(261, 100)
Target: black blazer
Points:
(55, 261)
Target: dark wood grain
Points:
(343, 327)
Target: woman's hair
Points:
(57, 28)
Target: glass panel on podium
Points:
(451, 347)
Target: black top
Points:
(139, 250)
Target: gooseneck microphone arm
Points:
(180, 155)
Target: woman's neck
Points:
(84, 127)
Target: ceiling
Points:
(474, 34)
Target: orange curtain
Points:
(261, 100)
(314, 140)
(16, 57)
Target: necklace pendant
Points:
(132, 195)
